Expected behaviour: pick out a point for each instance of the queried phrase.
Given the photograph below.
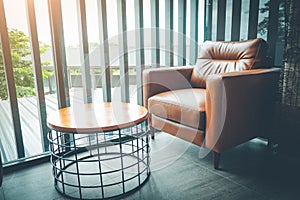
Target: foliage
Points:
(263, 25)
(22, 65)
(291, 70)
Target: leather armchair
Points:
(226, 99)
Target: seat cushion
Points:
(219, 57)
(185, 106)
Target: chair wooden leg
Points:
(152, 132)
(216, 158)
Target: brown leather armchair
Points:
(224, 100)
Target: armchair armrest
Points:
(159, 80)
(239, 106)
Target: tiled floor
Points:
(248, 171)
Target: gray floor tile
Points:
(247, 172)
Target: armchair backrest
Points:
(220, 57)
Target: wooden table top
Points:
(97, 117)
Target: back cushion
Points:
(219, 57)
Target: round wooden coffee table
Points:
(99, 150)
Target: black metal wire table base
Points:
(100, 165)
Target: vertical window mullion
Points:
(169, 17)
(123, 50)
(236, 20)
(221, 16)
(140, 53)
(37, 66)
(10, 81)
(155, 53)
(104, 51)
(194, 32)
(181, 32)
(59, 54)
(84, 54)
(273, 28)
(253, 19)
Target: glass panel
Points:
(132, 79)
(7, 136)
(112, 26)
(162, 35)
(263, 19)
(147, 32)
(94, 50)
(23, 75)
(201, 21)
(44, 34)
(228, 20)
(244, 20)
(188, 30)
(281, 36)
(92, 22)
(71, 37)
(214, 20)
(113, 32)
(131, 43)
(175, 39)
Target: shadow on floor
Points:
(248, 171)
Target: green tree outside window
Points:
(22, 66)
